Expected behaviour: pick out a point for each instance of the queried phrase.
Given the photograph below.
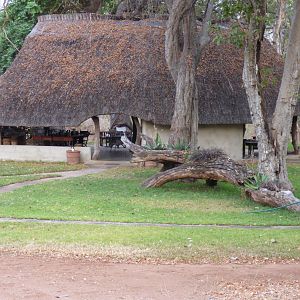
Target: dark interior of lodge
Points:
(49, 136)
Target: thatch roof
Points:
(120, 120)
(72, 67)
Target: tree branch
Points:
(6, 19)
(204, 38)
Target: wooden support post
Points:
(96, 154)
(295, 135)
(138, 131)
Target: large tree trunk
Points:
(272, 140)
(181, 61)
(295, 135)
(278, 35)
(131, 8)
(183, 47)
(96, 154)
(287, 98)
(138, 8)
(92, 6)
(257, 104)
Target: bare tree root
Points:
(284, 199)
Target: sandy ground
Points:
(41, 278)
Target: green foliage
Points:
(180, 145)
(15, 23)
(236, 36)
(18, 19)
(267, 77)
(109, 7)
(256, 181)
(234, 9)
(218, 36)
(157, 145)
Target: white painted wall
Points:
(229, 138)
(41, 153)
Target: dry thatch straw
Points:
(72, 67)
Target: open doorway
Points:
(111, 128)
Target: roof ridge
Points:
(90, 17)
(76, 17)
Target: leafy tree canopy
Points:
(19, 17)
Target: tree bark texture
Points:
(182, 51)
(272, 138)
(92, 6)
(206, 164)
(138, 8)
(142, 154)
(211, 165)
(257, 105)
(96, 154)
(295, 135)
(275, 198)
(278, 34)
(288, 97)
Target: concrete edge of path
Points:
(141, 224)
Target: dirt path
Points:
(43, 278)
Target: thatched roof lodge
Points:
(72, 67)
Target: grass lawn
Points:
(117, 195)
(150, 243)
(10, 168)
(6, 180)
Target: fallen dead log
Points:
(205, 164)
(211, 165)
(166, 157)
(284, 199)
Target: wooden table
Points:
(68, 140)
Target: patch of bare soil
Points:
(43, 278)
